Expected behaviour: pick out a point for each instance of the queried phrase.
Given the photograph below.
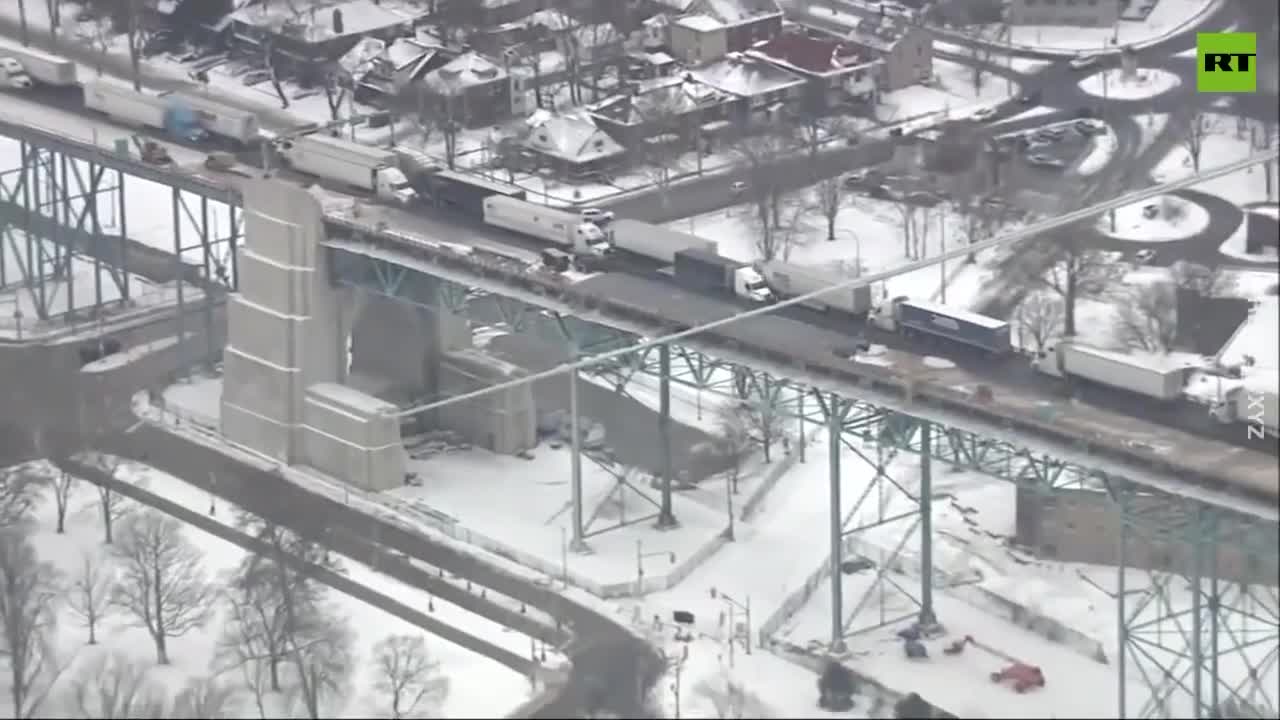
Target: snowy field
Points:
(1167, 18)
(1102, 148)
(1144, 83)
(202, 655)
(952, 92)
(1167, 218)
(1224, 139)
(1236, 245)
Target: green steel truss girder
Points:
(195, 217)
(56, 207)
(382, 277)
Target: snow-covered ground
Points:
(1150, 126)
(1222, 139)
(1167, 18)
(1102, 148)
(952, 92)
(1144, 83)
(1167, 218)
(1258, 338)
(474, 686)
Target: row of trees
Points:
(281, 636)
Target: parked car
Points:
(1144, 256)
(738, 188)
(984, 114)
(1050, 135)
(1031, 97)
(1089, 127)
(1084, 62)
(1044, 161)
(597, 216)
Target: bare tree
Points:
(114, 687)
(733, 441)
(337, 87)
(204, 698)
(1078, 272)
(323, 657)
(1200, 127)
(408, 676)
(1147, 317)
(1200, 279)
(731, 700)
(90, 592)
(761, 155)
(1039, 317)
(909, 219)
(63, 484)
(22, 22)
(830, 200)
(162, 583)
(136, 36)
(112, 506)
(100, 38)
(565, 29)
(28, 616)
(55, 17)
(19, 493)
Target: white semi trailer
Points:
(1256, 407)
(43, 68)
(562, 228)
(371, 169)
(1143, 375)
(792, 280)
(653, 241)
(12, 75)
(219, 119)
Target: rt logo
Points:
(1226, 62)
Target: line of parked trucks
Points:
(582, 237)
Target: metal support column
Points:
(803, 440)
(1122, 621)
(927, 615)
(124, 239)
(179, 316)
(579, 543)
(834, 427)
(666, 516)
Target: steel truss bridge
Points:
(1183, 655)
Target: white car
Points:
(1144, 256)
(1045, 161)
(1084, 62)
(597, 216)
(738, 188)
(984, 114)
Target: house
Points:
(588, 43)
(1079, 13)
(669, 106)
(470, 90)
(905, 50)
(196, 20)
(401, 64)
(571, 142)
(836, 72)
(763, 89)
(471, 14)
(642, 65)
(707, 30)
(304, 43)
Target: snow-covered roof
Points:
(360, 59)
(745, 76)
(407, 52)
(570, 136)
(878, 33)
(735, 11)
(314, 23)
(699, 23)
(658, 98)
(465, 70)
(798, 51)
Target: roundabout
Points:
(1169, 218)
(1116, 84)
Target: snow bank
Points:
(1115, 85)
(1168, 218)
(1101, 149)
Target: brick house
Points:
(837, 73)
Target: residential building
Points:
(305, 43)
(1081, 13)
(905, 50)
(402, 64)
(470, 90)
(644, 65)
(679, 106)
(705, 26)
(470, 14)
(571, 142)
(587, 43)
(763, 89)
(837, 73)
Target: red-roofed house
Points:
(836, 72)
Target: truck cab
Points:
(748, 283)
(590, 239)
(393, 186)
(1049, 360)
(181, 122)
(13, 75)
(885, 315)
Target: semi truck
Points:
(370, 169)
(789, 280)
(12, 75)
(1137, 374)
(655, 242)
(238, 125)
(463, 191)
(1259, 408)
(166, 113)
(42, 68)
(562, 228)
(707, 270)
(910, 317)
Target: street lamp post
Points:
(640, 558)
(745, 609)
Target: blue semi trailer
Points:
(908, 317)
